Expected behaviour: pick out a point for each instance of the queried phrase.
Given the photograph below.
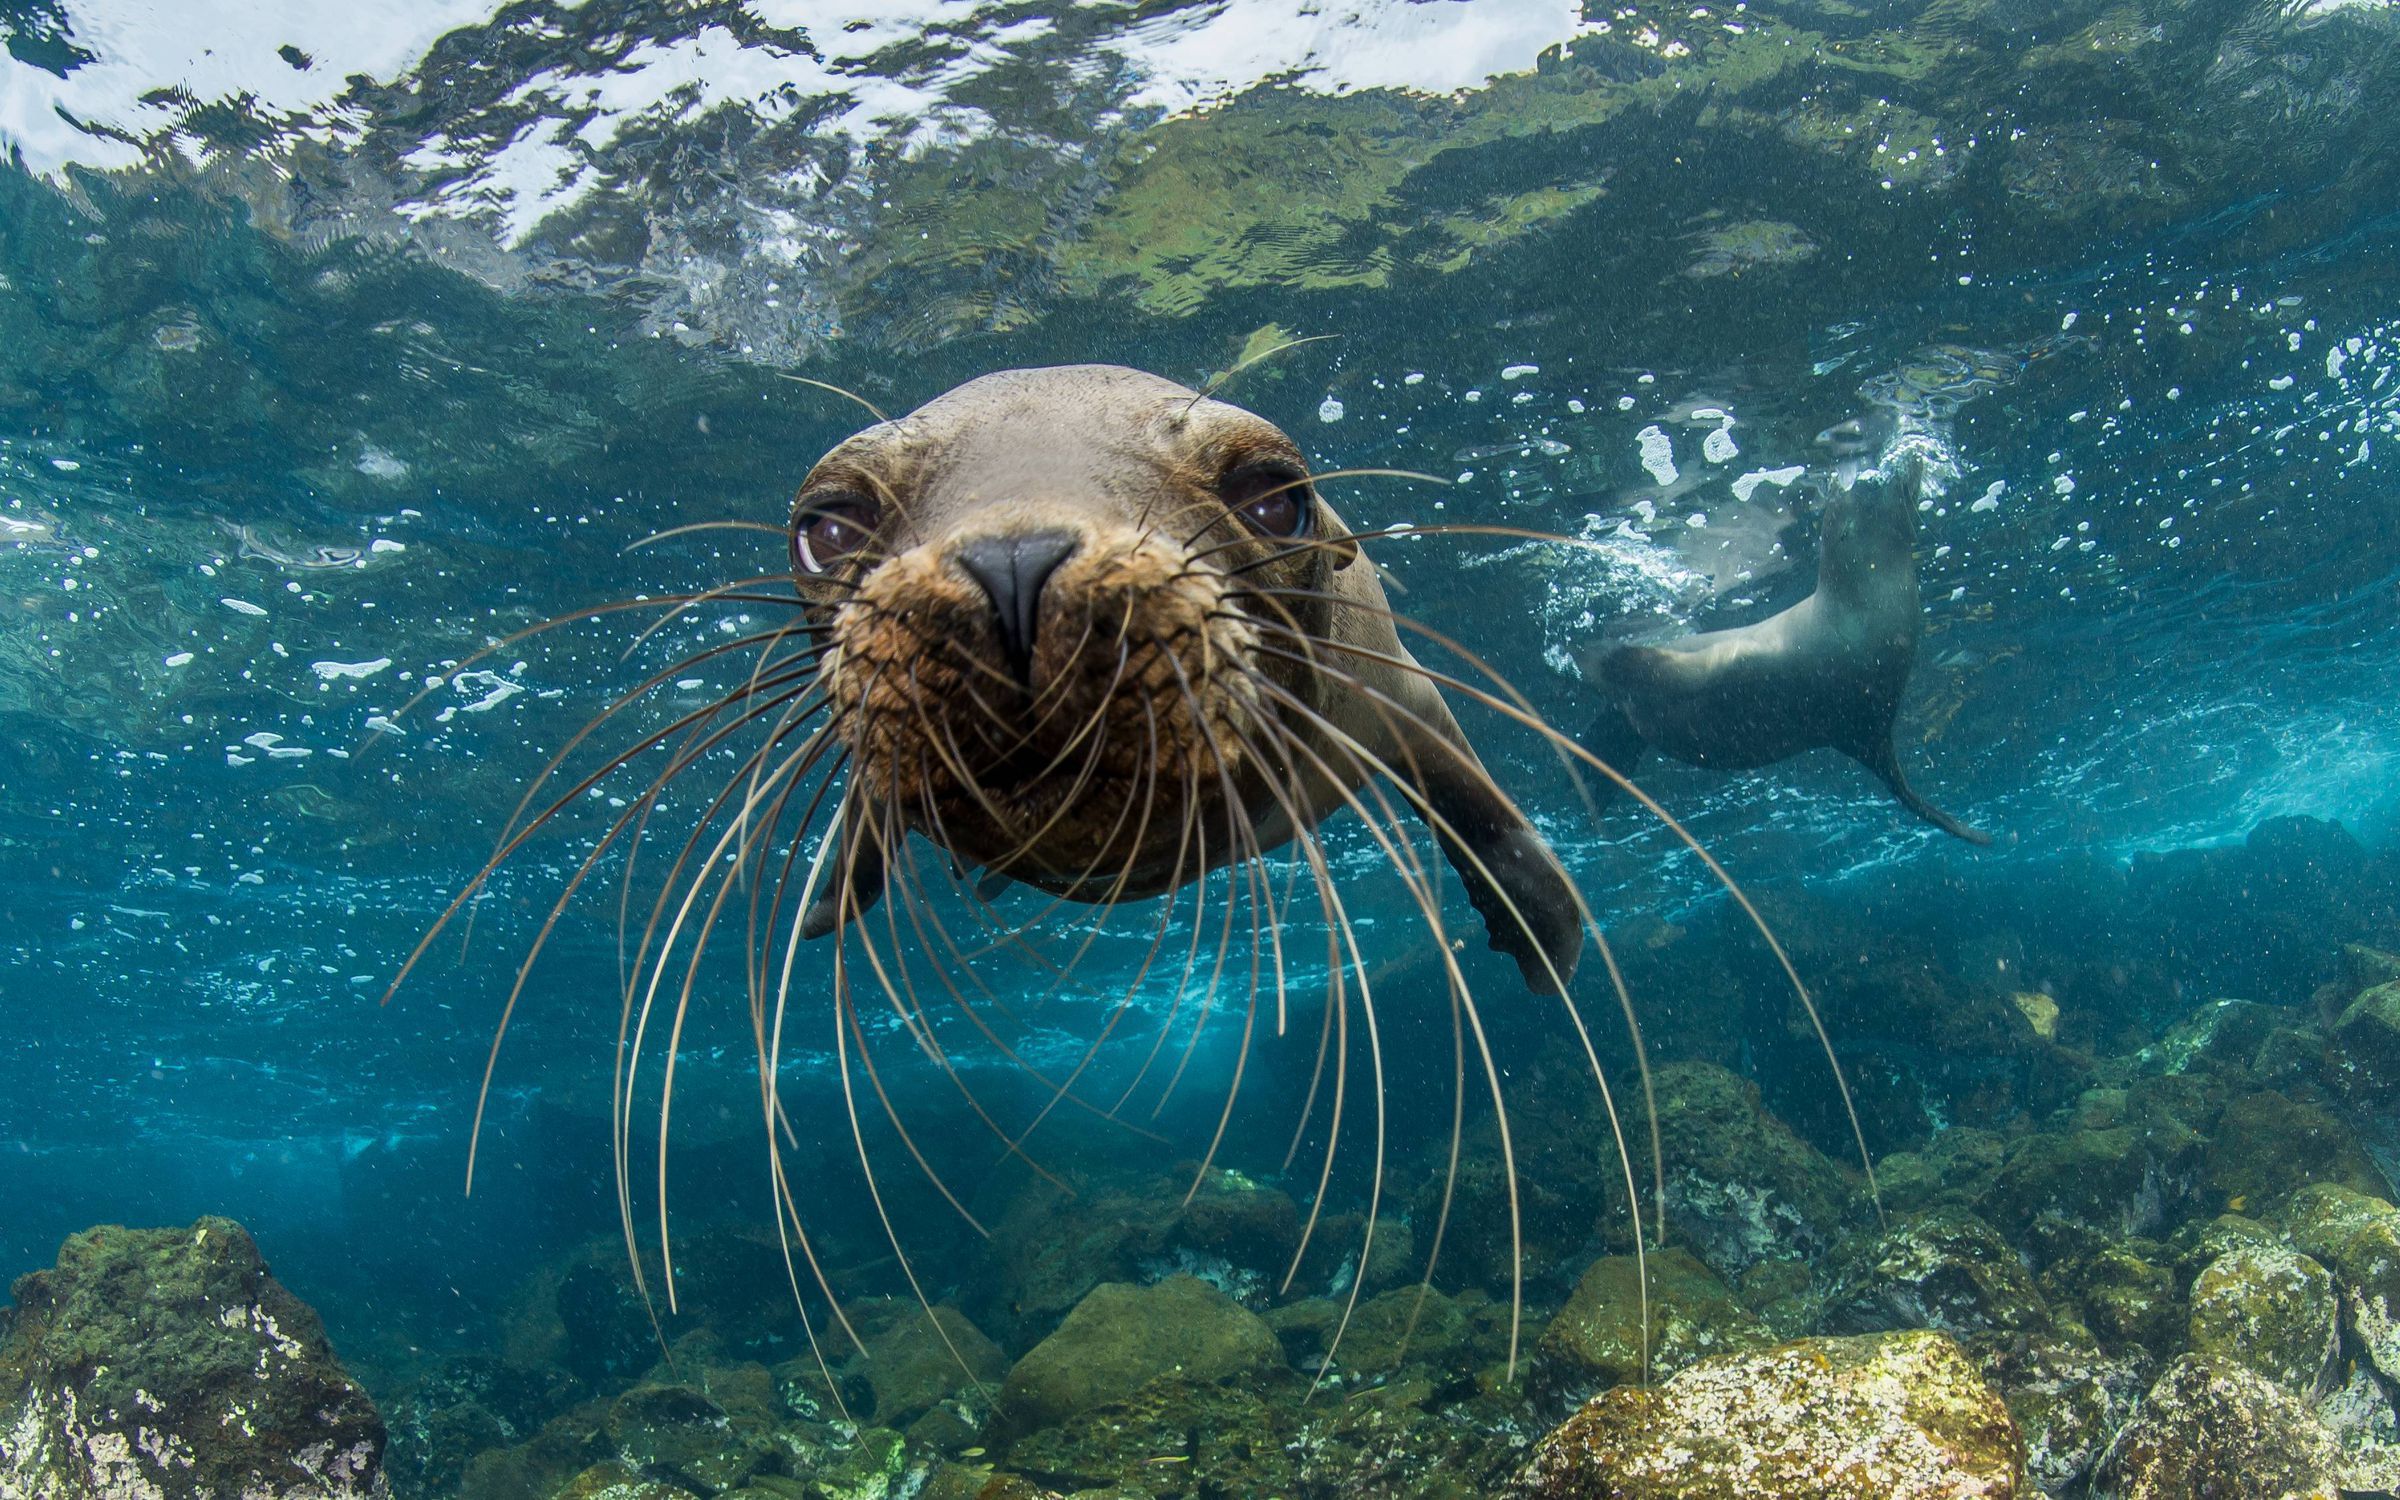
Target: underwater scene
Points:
(978, 749)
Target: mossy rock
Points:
(2069, 1397)
(2130, 1178)
(2220, 1034)
(679, 1432)
(1121, 1337)
(2363, 967)
(1172, 1435)
(1894, 1416)
(1946, 1269)
(614, 1481)
(2357, 1238)
(2196, 1245)
(1741, 1187)
(1950, 1170)
(2272, 1310)
(1596, 1340)
(565, 1446)
(1306, 1328)
(914, 1360)
(1407, 1439)
(170, 1364)
(2124, 1297)
(1410, 1325)
(2366, 1045)
(2267, 1146)
(2211, 1430)
(1051, 1248)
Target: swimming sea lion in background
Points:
(1098, 634)
(1827, 673)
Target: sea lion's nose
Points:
(1012, 570)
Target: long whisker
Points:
(1515, 707)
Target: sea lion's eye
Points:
(1272, 498)
(830, 529)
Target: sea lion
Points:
(1826, 673)
(1097, 633)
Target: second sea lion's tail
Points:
(1619, 746)
(1885, 763)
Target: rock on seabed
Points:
(1895, 1416)
(169, 1364)
(2212, 1430)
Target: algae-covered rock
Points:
(915, 1359)
(2357, 1238)
(170, 1364)
(1740, 1185)
(2211, 1430)
(1167, 1436)
(2363, 967)
(1896, 1416)
(1595, 1341)
(2366, 1432)
(1946, 1269)
(1408, 1325)
(1051, 1247)
(2069, 1398)
(2122, 1295)
(1121, 1337)
(2221, 1033)
(2273, 1311)
(2266, 1146)
(2122, 1178)
(2366, 1045)
(678, 1433)
(614, 1481)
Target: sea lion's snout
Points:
(1012, 571)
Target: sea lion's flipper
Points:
(1618, 745)
(1884, 761)
(859, 861)
(1529, 907)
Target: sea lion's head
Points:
(1045, 591)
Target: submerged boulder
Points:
(1896, 1416)
(2069, 1397)
(2272, 1310)
(170, 1364)
(2366, 1045)
(2268, 1146)
(1947, 1270)
(1121, 1337)
(2211, 1430)
(1596, 1340)
(2357, 1238)
(916, 1359)
(1740, 1185)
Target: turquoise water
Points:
(334, 348)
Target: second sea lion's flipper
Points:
(859, 863)
(1618, 745)
(1529, 907)
(1884, 761)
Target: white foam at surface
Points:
(153, 60)
(220, 49)
(1658, 453)
(1747, 485)
(335, 671)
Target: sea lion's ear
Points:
(1334, 538)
